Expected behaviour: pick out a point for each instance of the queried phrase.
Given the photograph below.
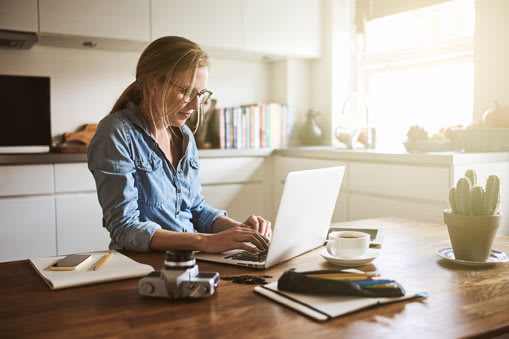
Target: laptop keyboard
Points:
(249, 256)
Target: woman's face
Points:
(184, 110)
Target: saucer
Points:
(367, 257)
(496, 257)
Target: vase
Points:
(472, 235)
(311, 133)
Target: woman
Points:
(145, 161)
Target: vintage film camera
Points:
(180, 278)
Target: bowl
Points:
(424, 146)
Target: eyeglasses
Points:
(189, 95)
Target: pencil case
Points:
(300, 282)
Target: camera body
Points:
(180, 278)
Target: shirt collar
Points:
(134, 114)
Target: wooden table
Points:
(463, 302)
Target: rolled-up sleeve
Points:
(111, 165)
(204, 215)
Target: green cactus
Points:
(452, 200)
(468, 199)
(472, 176)
(477, 200)
(463, 199)
(492, 195)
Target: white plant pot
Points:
(472, 235)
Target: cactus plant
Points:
(471, 176)
(468, 199)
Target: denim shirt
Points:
(139, 190)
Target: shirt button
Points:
(180, 171)
(178, 212)
(179, 191)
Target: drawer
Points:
(364, 207)
(26, 179)
(284, 165)
(419, 182)
(232, 170)
(28, 227)
(73, 178)
(240, 201)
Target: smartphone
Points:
(71, 262)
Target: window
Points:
(417, 69)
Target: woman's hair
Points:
(166, 60)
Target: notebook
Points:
(117, 267)
(303, 219)
(323, 308)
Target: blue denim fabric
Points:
(139, 190)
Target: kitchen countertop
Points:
(317, 152)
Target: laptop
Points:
(303, 219)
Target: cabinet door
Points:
(215, 23)
(28, 228)
(283, 165)
(73, 178)
(362, 206)
(115, 19)
(239, 200)
(415, 182)
(79, 224)
(19, 15)
(283, 27)
(26, 179)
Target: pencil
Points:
(102, 260)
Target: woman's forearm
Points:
(163, 240)
(223, 223)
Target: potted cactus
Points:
(473, 219)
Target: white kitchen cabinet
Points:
(238, 185)
(283, 27)
(19, 15)
(73, 177)
(79, 223)
(363, 206)
(28, 227)
(78, 213)
(405, 181)
(26, 180)
(215, 23)
(239, 200)
(283, 165)
(123, 24)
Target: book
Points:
(326, 307)
(222, 135)
(117, 267)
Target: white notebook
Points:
(324, 308)
(117, 267)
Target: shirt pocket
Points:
(193, 186)
(148, 179)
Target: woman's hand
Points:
(259, 224)
(234, 238)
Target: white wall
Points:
(86, 83)
(491, 55)
(332, 79)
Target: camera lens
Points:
(179, 259)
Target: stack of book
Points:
(254, 126)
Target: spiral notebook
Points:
(323, 308)
(117, 267)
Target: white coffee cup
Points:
(348, 244)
